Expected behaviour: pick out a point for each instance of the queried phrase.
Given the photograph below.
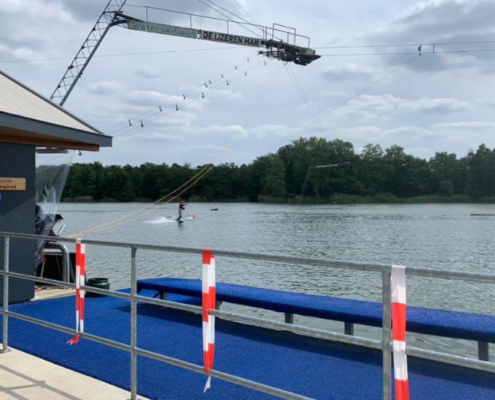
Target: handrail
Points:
(426, 272)
(133, 297)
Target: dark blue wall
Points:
(17, 211)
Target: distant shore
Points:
(384, 198)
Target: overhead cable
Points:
(196, 97)
(349, 99)
(122, 54)
(242, 8)
(226, 16)
(405, 45)
(303, 96)
(235, 15)
(396, 53)
(200, 89)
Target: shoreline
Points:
(332, 200)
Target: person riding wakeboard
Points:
(182, 207)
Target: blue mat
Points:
(454, 324)
(310, 367)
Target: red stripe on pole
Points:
(205, 306)
(81, 311)
(401, 390)
(206, 256)
(399, 321)
(212, 297)
(211, 355)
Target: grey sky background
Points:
(438, 102)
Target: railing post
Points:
(386, 336)
(349, 328)
(5, 333)
(133, 325)
(483, 351)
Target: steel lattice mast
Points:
(86, 52)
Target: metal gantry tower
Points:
(86, 52)
(286, 50)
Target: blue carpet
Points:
(310, 367)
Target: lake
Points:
(442, 236)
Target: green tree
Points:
(274, 180)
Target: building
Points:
(30, 122)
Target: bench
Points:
(453, 324)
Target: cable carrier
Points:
(292, 48)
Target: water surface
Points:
(431, 236)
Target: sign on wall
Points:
(18, 184)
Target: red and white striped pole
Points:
(398, 286)
(209, 303)
(80, 294)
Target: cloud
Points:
(406, 131)
(104, 88)
(446, 21)
(148, 72)
(157, 136)
(267, 131)
(227, 94)
(371, 106)
(490, 103)
(451, 130)
(153, 98)
(349, 72)
(417, 151)
(204, 148)
(465, 126)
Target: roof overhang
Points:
(28, 118)
(21, 130)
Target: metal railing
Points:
(384, 345)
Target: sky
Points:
(361, 90)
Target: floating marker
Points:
(227, 83)
(221, 75)
(160, 107)
(176, 108)
(130, 123)
(245, 73)
(206, 85)
(235, 66)
(203, 95)
(142, 126)
(184, 96)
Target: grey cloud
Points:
(148, 72)
(371, 105)
(103, 88)
(439, 22)
(349, 72)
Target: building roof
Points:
(26, 117)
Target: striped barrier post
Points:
(80, 294)
(398, 286)
(209, 303)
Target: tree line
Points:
(295, 172)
